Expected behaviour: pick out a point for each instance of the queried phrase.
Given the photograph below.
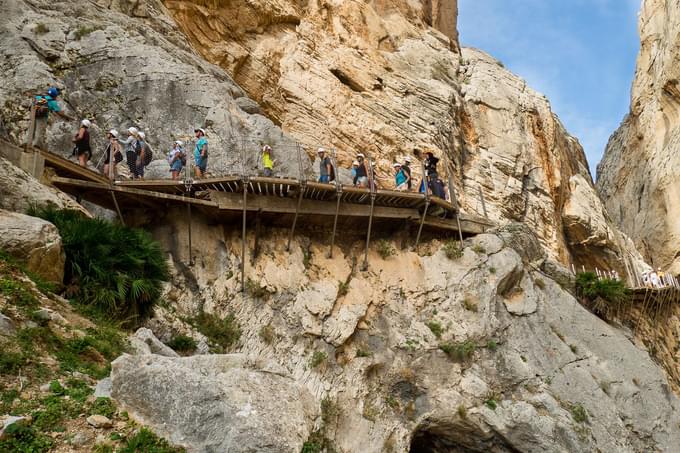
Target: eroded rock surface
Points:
(34, 242)
(386, 79)
(540, 372)
(638, 176)
(214, 403)
(120, 64)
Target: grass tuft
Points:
(183, 343)
(459, 351)
(318, 357)
(385, 249)
(436, 328)
(452, 250)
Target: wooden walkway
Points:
(277, 200)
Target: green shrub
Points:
(329, 410)
(385, 249)
(470, 305)
(540, 284)
(491, 345)
(146, 441)
(492, 270)
(477, 248)
(363, 353)
(222, 332)
(589, 286)
(25, 439)
(436, 328)
(459, 351)
(267, 334)
(41, 29)
(579, 413)
(118, 270)
(318, 357)
(462, 411)
(83, 31)
(343, 288)
(183, 343)
(491, 404)
(255, 289)
(452, 250)
(11, 362)
(103, 406)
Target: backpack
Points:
(183, 158)
(148, 154)
(42, 107)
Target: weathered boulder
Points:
(145, 342)
(213, 403)
(35, 242)
(19, 191)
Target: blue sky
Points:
(579, 53)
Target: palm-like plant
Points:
(117, 269)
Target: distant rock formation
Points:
(639, 176)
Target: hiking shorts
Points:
(268, 172)
(176, 165)
(362, 181)
(324, 178)
(202, 164)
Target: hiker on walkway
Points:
(326, 173)
(133, 150)
(400, 177)
(176, 159)
(42, 106)
(406, 167)
(353, 171)
(201, 153)
(112, 149)
(143, 159)
(81, 140)
(267, 161)
(431, 166)
(361, 175)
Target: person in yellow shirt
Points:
(267, 161)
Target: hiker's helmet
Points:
(85, 123)
(53, 92)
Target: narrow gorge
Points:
(444, 343)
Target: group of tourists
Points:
(134, 148)
(138, 154)
(657, 279)
(363, 176)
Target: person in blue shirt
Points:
(400, 178)
(201, 153)
(43, 105)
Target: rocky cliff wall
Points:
(638, 176)
(375, 77)
(123, 63)
(483, 350)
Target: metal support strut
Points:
(244, 181)
(427, 205)
(303, 186)
(338, 195)
(371, 185)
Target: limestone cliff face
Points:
(638, 176)
(375, 77)
(123, 63)
(524, 356)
